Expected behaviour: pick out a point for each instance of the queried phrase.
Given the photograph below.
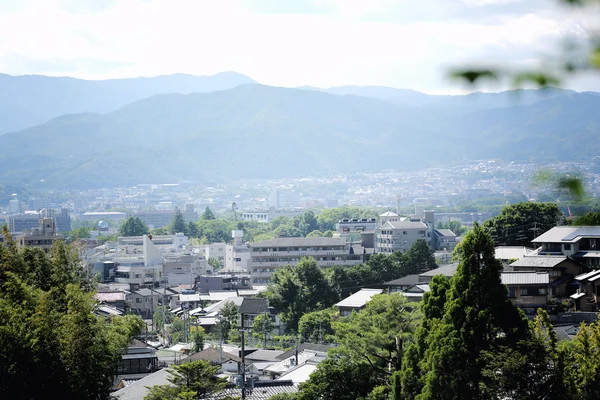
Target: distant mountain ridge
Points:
(257, 131)
(30, 100)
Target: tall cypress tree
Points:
(178, 224)
(477, 319)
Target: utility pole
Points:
(243, 359)
(152, 300)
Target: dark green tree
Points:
(519, 224)
(418, 259)
(192, 230)
(133, 226)
(379, 334)
(228, 319)
(339, 377)
(478, 319)
(208, 215)
(49, 329)
(591, 218)
(409, 383)
(298, 290)
(190, 380)
(262, 327)
(178, 223)
(316, 326)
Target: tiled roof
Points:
(525, 278)
(539, 261)
(257, 393)
(446, 270)
(213, 355)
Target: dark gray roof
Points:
(444, 232)
(300, 242)
(138, 389)
(253, 305)
(539, 261)
(262, 390)
(264, 355)
(213, 355)
(305, 346)
(446, 270)
(405, 281)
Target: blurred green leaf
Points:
(471, 76)
(538, 78)
(573, 184)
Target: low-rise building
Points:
(268, 255)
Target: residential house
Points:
(579, 243)
(401, 284)
(356, 301)
(528, 290)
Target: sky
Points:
(411, 44)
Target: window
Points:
(512, 292)
(567, 246)
(405, 232)
(138, 300)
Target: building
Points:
(268, 255)
(579, 243)
(443, 239)
(19, 223)
(63, 220)
(161, 218)
(207, 283)
(267, 216)
(396, 234)
(237, 255)
(356, 301)
(103, 216)
(42, 237)
(284, 198)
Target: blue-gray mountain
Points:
(30, 100)
(263, 132)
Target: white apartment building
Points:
(395, 235)
(268, 255)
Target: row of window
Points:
(528, 291)
(421, 232)
(275, 249)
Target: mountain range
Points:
(248, 130)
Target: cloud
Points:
(317, 42)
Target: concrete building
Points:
(207, 283)
(579, 243)
(161, 218)
(267, 216)
(237, 257)
(284, 198)
(20, 223)
(394, 234)
(63, 220)
(268, 255)
(42, 237)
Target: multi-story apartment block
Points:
(395, 236)
(19, 223)
(268, 255)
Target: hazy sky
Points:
(398, 43)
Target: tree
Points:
(198, 339)
(410, 381)
(338, 377)
(519, 224)
(49, 329)
(133, 226)
(378, 334)
(208, 215)
(190, 380)
(214, 263)
(478, 318)
(228, 319)
(588, 219)
(178, 223)
(261, 327)
(316, 326)
(298, 290)
(419, 258)
(192, 230)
